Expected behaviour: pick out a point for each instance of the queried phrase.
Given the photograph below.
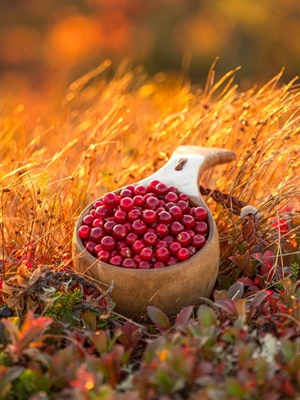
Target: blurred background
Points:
(45, 45)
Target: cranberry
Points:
(134, 214)
(164, 217)
(158, 264)
(138, 201)
(183, 254)
(108, 226)
(184, 206)
(152, 203)
(103, 255)
(119, 231)
(150, 239)
(126, 252)
(169, 205)
(173, 189)
(201, 228)
(162, 254)
(198, 241)
(98, 203)
(102, 212)
(131, 238)
(84, 232)
(90, 247)
(98, 248)
(126, 204)
(88, 220)
(97, 234)
(149, 216)
(176, 228)
(110, 200)
(174, 247)
(171, 196)
(98, 222)
(138, 246)
(139, 227)
(126, 193)
(184, 197)
(146, 254)
(140, 190)
(108, 243)
(176, 213)
(152, 184)
(144, 265)
(130, 187)
(161, 189)
(162, 230)
(120, 216)
(188, 221)
(92, 212)
(116, 260)
(128, 263)
(200, 214)
(184, 239)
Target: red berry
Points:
(108, 243)
(138, 246)
(171, 196)
(137, 258)
(108, 226)
(126, 252)
(183, 254)
(140, 190)
(164, 217)
(169, 239)
(184, 206)
(158, 264)
(200, 214)
(169, 205)
(98, 222)
(149, 216)
(150, 239)
(176, 213)
(121, 244)
(131, 238)
(126, 193)
(98, 203)
(88, 220)
(201, 228)
(152, 184)
(90, 247)
(256, 282)
(188, 221)
(174, 247)
(138, 201)
(172, 261)
(128, 263)
(126, 204)
(134, 214)
(190, 232)
(139, 227)
(144, 265)
(184, 197)
(110, 200)
(84, 232)
(152, 203)
(98, 248)
(161, 243)
(162, 254)
(176, 228)
(119, 231)
(184, 239)
(130, 187)
(146, 254)
(173, 189)
(161, 189)
(120, 216)
(116, 260)
(162, 230)
(103, 255)
(198, 241)
(97, 234)
(102, 212)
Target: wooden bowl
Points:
(174, 287)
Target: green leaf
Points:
(159, 318)
(234, 388)
(206, 315)
(224, 282)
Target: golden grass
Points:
(114, 131)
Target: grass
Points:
(116, 131)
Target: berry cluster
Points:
(144, 227)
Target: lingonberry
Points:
(158, 264)
(146, 254)
(131, 238)
(138, 201)
(126, 193)
(184, 239)
(108, 243)
(176, 228)
(149, 216)
(176, 213)
(201, 228)
(161, 243)
(162, 254)
(183, 254)
(162, 230)
(98, 203)
(161, 189)
(97, 234)
(152, 203)
(184, 206)
(126, 204)
(171, 196)
(109, 200)
(200, 214)
(116, 260)
(102, 212)
(126, 252)
(130, 187)
(128, 263)
(184, 197)
(139, 227)
(152, 184)
(198, 241)
(120, 216)
(137, 246)
(119, 231)
(172, 261)
(188, 221)
(144, 265)
(90, 247)
(134, 214)
(103, 255)
(140, 190)
(88, 220)
(164, 217)
(174, 247)
(169, 205)
(150, 239)
(108, 226)
(121, 244)
(98, 222)
(84, 232)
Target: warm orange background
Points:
(45, 45)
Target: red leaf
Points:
(184, 315)
(159, 318)
(227, 305)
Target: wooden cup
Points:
(174, 287)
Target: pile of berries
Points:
(143, 227)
